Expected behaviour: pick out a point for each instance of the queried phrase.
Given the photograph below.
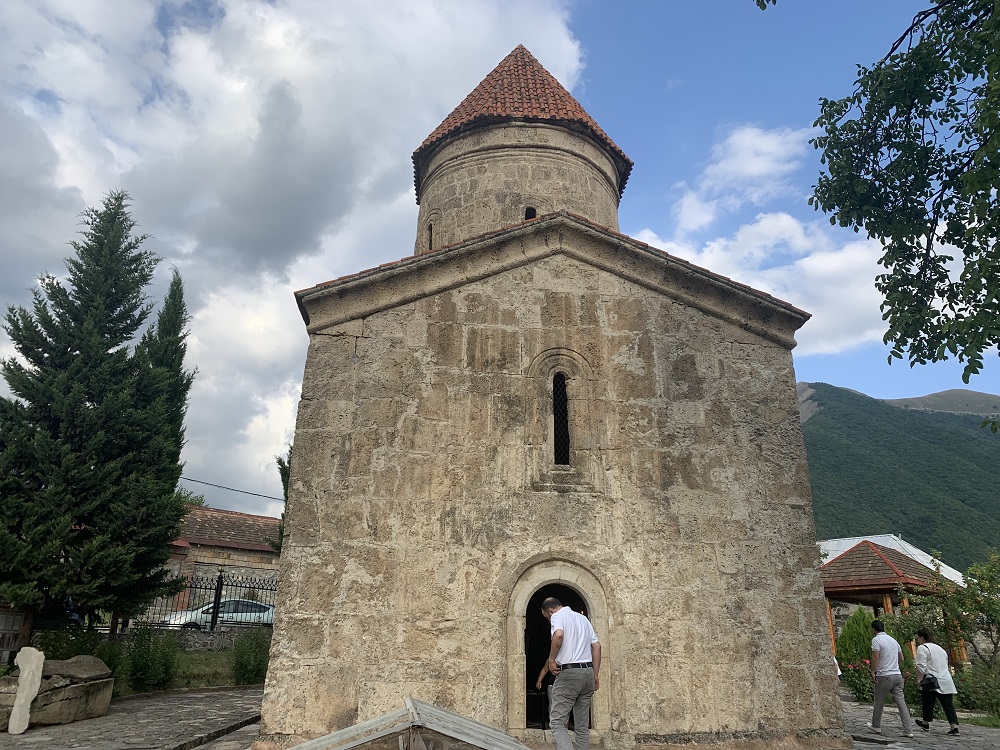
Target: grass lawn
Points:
(204, 669)
(194, 669)
(983, 721)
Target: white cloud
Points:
(694, 212)
(807, 265)
(824, 270)
(750, 166)
(754, 162)
(266, 148)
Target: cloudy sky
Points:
(267, 145)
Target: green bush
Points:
(249, 656)
(979, 688)
(911, 688)
(112, 653)
(150, 658)
(66, 643)
(69, 642)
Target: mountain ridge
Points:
(956, 401)
(927, 473)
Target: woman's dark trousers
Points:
(927, 709)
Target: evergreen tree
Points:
(284, 471)
(854, 646)
(90, 443)
(165, 347)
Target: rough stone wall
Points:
(423, 496)
(200, 560)
(484, 180)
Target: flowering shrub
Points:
(853, 652)
(979, 688)
(858, 678)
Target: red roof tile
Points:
(227, 528)
(871, 566)
(520, 89)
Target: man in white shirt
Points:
(886, 658)
(575, 660)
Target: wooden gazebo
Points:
(871, 575)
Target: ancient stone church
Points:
(534, 404)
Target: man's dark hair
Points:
(878, 626)
(926, 634)
(550, 604)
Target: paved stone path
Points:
(971, 737)
(167, 721)
(227, 720)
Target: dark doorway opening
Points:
(536, 649)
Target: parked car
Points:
(231, 612)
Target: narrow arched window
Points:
(530, 213)
(430, 236)
(560, 420)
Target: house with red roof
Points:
(213, 539)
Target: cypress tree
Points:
(90, 442)
(284, 471)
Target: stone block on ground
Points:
(81, 668)
(54, 691)
(74, 702)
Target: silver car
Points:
(231, 612)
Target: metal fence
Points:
(212, 602)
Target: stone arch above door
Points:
(531, 578)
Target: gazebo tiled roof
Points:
(520, 89)
(869, 567)
(831, 548)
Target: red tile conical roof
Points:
(519, 88)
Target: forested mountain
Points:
(877, 468)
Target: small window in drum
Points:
(530, 213)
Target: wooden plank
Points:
(829, 622)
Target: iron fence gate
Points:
(211, 602)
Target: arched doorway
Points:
(537, 641)
(577, 587)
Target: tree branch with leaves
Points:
(912, 158)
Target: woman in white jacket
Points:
(933, 660)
